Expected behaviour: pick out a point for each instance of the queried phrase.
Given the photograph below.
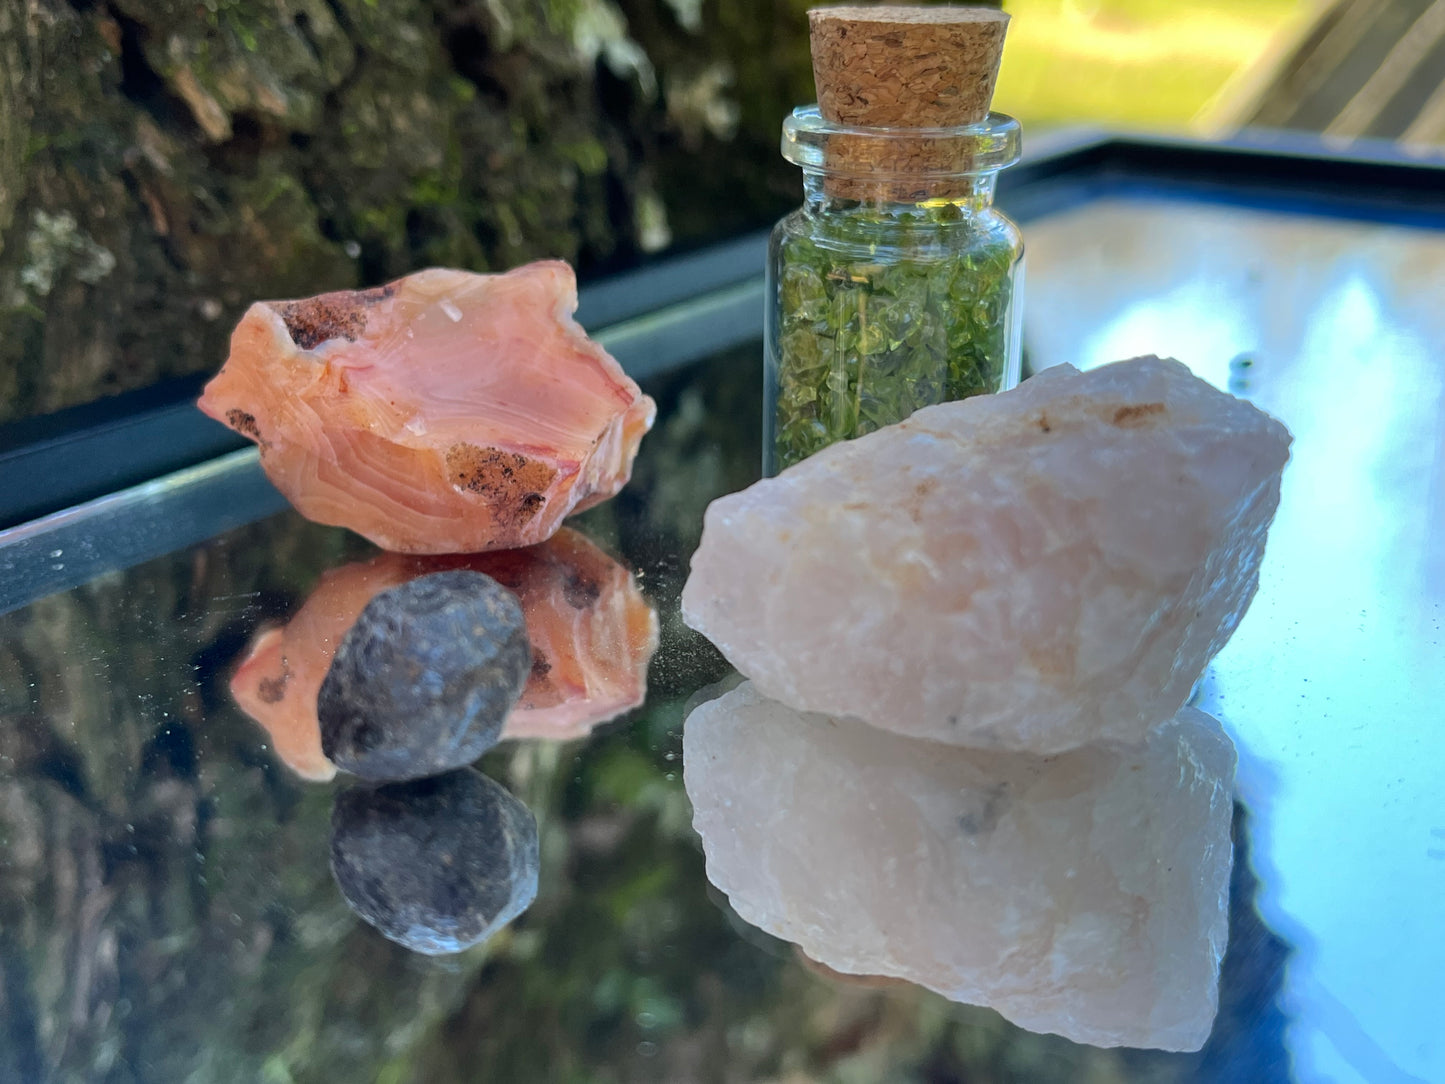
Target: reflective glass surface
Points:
(1332, 686)
(167, 910)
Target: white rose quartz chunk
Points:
(1084, 894)
(1032, 570)
(446, 412)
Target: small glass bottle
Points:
(897, 284)
(879, 306)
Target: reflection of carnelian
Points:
(592, 635)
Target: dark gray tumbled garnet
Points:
(424, 680)
(435, 864)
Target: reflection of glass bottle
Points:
(896, 285)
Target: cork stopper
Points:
(901, 67)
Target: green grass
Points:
(1133, 63)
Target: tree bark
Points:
(163, 163)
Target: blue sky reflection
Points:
(1333, 686)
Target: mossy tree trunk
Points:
(165, 162)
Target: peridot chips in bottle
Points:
(897, 284)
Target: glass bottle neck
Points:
(970, 193)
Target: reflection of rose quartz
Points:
(444, 413)
(592, 634)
